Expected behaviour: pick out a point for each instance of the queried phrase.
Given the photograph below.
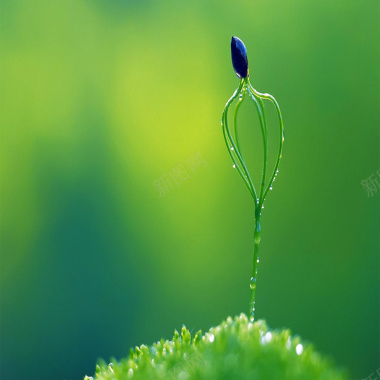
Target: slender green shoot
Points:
(245, 89)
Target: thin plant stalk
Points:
(240, 63)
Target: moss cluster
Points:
(236, 349)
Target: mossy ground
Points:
(236, 349)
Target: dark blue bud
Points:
(239, 57)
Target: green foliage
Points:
(236, 349)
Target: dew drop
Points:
(130, 372)
(271, 188)
(232, 148)
(211, 338)
(258, 237)
(262, 206)
(299, 349)
(266, 338)
(234, 166)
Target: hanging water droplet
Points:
(266, 338)
(234, 166)
(262, 206)
(257, 234)
(271, 188)
(299, 349)
(232, 148)
(211, 338)
(130, 372)
(258, 260)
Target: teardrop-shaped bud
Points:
(239, 57)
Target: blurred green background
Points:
(100, 99)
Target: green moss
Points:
(236, 349)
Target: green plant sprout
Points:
(240, 65)
(238, 348)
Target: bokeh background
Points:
(102, 101)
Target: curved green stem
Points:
(279, 156)
(239, 163)
(241, 98)
(260, 109)
(226, 138)
(235, 160)
(232, 148)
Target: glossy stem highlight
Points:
(252, 283)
